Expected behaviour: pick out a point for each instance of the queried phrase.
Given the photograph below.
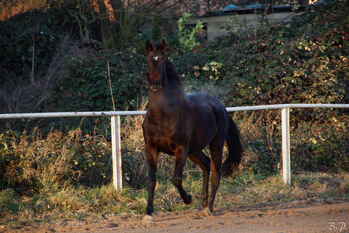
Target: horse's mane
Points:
(173, 79)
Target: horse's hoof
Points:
(147, 219)
(188, 200)
(205, 212)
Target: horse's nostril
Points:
(155, 77)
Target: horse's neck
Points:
(166, 101)
(170, 97)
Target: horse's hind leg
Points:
(216, 149)
(181, 157)
(204, 162)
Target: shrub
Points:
(187, 39)
(20, 37)
(274, 64)
(87, 88)
(315, 146)
(33, 163)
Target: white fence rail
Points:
(116, 140)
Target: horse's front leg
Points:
(181, 156)
(151, 157)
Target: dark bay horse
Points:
(183, 126)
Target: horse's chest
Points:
(163, 135)
(159, 132)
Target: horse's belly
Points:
(205, 129)
(199, 142)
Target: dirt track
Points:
(298, 216)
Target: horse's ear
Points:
(163, 46)
(148, 46)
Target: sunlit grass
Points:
(54, 178)
(242, 189)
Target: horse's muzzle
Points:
(155, 85)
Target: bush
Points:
(33, 163)
(274, 64)
(87, 87)
(19, 36)
(315, 146)
(303, 63)
(186, 37)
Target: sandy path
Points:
(288, 217)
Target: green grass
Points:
(78, 202)
(68, 176)
(62, 176)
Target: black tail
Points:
(233, 160)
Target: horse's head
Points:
(155, 64)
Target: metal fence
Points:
(116, 139)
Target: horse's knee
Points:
(204, 197)
(176, 181)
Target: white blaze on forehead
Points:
(156, 58)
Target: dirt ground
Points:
(297, 216)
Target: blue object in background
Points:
(230, 7)
(257, 5)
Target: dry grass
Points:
(249, 190)
(67, 175)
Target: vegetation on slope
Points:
(62, 169)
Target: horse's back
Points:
(207, 104)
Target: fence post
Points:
(116, 152)
(285, 131)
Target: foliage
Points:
(156, 30)
(315, 146)
(31, 63)
(32, 163)
(20, 37)
(326, 148)
(9, 8)
(101, 202)
(187, 39)
(77, 16)
(51, 173)
(212, 70)
(86, 89)
(273, 64)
